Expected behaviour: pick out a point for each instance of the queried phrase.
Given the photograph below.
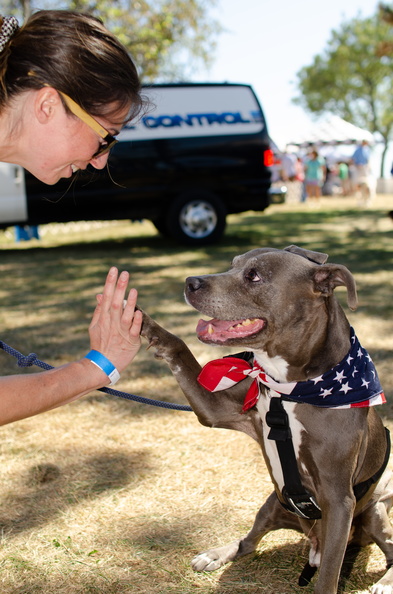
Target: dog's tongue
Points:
(222, 330)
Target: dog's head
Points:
(267, 292)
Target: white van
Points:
(199, 153)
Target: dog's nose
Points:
(193, 283)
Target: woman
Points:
(57, 56)
(67, 87)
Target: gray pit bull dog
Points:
(306, 395)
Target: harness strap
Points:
(361, 488)
(296, 498)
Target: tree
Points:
(352, 79)
(168, 39)
(386, 14)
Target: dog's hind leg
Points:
(379, 528)
(373, 525)
(271, 516)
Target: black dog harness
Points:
(296, 498)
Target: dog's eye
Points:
(253, 276)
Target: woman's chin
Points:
(51, 178)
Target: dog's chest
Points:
(270, 448)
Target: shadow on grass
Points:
(47, 492)
(278, 570)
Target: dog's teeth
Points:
(246, 322)
(210, 329)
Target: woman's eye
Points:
(253, 276)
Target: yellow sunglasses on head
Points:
(108, 140)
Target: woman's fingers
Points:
(136, 327)
(128, 307)
(116, 324)
(104, 299)
(131, 319)
(112, 297)
(116, 297)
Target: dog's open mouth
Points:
(223, 330)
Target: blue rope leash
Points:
(32, 359)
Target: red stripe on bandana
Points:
(222, 374)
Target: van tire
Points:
(196, 217)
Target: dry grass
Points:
(105, 495)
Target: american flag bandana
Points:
(353, 383)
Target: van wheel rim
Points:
(198, 219)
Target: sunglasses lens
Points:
(105, 147)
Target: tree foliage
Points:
(351, 78)
(168, 39)
(386, 14)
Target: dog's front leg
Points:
(223, 410)
(271, 516)
(337, 514)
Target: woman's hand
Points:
(114, 332)
(115, 327)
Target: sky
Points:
(268, 41)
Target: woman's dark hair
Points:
(74, 53)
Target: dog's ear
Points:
(329, 276)
(317, 257)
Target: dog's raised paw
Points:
(153, 342)
(150, 330)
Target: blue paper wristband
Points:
(104, 364)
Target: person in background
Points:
(300, 177)
(288, 175)
(361, 163)
(67, 87)
(343, 175)
(315, 170)
(288, 166)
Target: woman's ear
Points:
(46, 102)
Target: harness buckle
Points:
(303, 505)
(278, 422)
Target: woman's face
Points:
(67, 144)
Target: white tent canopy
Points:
(330, 130)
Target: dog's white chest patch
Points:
(270, 445)
(276, 367)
